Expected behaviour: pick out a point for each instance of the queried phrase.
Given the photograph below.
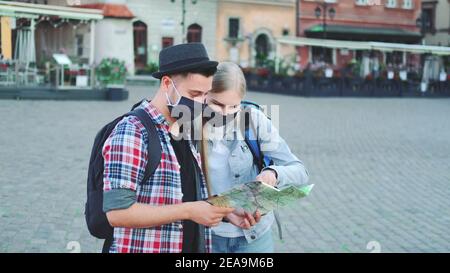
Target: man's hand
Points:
(268, 177)
(243, 219)
(206, 214)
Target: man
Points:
(163, 214)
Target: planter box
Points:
(263, 84)
(275, 85)
(51, 93)
(411, 89)
(439, 89)
(387, 88)
(289, 85)
(357, 88)
(325, 87)
(252, 81)
(116, 92)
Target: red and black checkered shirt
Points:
(125, 156)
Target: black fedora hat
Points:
(182, 58)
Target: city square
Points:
(380, 168)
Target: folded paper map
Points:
(257, 195)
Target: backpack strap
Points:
(154, 143)
(251, 138)
(153, 148)
(247, 103)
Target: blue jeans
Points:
(263, 244)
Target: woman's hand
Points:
(268, 176)
(243, 219)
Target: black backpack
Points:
(96, 220)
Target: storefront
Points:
(32, 34)
(371, 56)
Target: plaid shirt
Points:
(125, 156)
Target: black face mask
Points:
(217, 119)
(184, 106)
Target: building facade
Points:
(112, 34)
(436, 22)
(136, 30)
(33, 32)
(247, 29)
(158, 24)
(391, 21)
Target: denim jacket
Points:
(289, 169)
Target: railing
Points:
(346, 86)
(15, 73)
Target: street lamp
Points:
(323, 8)
(423, 24)
(420, 24)
(183, 17)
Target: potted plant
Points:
(148, 69)
(111, 74)
(252, 77)
(410, 87)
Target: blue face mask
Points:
(184, 106)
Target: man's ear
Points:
(165, 82)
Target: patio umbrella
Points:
(25, 52)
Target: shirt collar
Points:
(157, 117)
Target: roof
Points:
(28, 10)
(285, 3)
(111, 10)
(357, 45)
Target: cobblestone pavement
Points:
(381, 169)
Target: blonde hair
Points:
(229, 76)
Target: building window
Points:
(167, 41)
(79, 45)
(140, 44)
(233, 28)
(194, 34)
(263, 49)
(428, 17)
(318, 55)
(285, 32)
(361, 2)
(391, 3)
(407, 4)
(394, 58)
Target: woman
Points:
(229, 161)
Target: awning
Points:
(301, 41)
(345, 32)
(355, 45)
(27, 10)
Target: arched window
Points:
(262, 48)
(140, 44)
(194, 34)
